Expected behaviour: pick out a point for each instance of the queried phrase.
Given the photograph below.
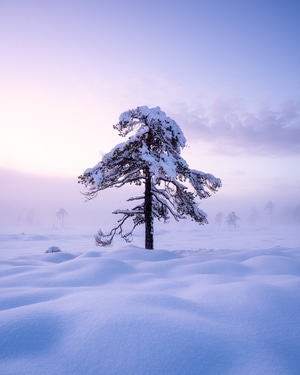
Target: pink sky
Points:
(229, 75)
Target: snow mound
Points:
(53, 249)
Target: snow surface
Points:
(211, 301)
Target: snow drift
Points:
(132, 311)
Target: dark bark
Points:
(148, 211)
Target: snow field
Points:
(126, 310)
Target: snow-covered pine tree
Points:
(150, 157)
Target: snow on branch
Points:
(204, 183)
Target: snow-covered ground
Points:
(207, 301)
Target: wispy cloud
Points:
(228, 128)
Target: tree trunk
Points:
(148, 211)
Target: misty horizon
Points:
(31, 202)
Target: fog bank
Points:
(30, 202)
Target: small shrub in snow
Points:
(53, 249)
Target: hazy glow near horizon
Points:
(227, 73)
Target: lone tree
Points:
(150, 157)
(61, 215)
(232, 219)
(269, 208)
(219, 218)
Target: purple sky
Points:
(226, 71)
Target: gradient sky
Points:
(226, 71)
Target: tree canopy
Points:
(150, 157)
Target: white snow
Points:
(134, 119)
(209, 301)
